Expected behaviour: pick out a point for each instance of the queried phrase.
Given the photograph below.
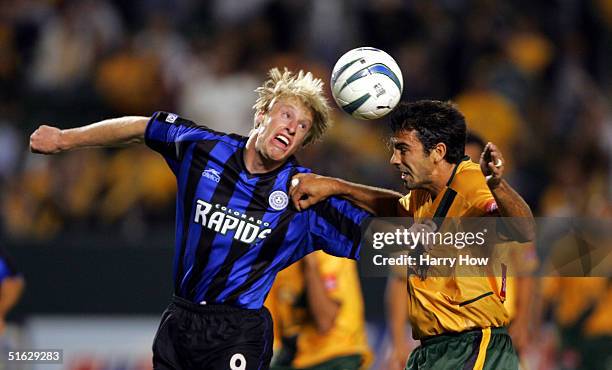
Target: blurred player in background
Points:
(317, 308)
(580, 307)
(234, 227)
(396, 305)
(461, 321)
(11, 287)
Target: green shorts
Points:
(352, 362)
(489, 348)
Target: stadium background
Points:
(92, 231)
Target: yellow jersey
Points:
(454, 303)
(295, 331)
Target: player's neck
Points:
(254, 162)
(440, 176)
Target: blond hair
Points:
(303, 86)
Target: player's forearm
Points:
(107, 133)
(396, 301)
(517, 214)
(322, 307)
(10, 291)
(378, 201)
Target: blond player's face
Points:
(283, 129)
(409, 157)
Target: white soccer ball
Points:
(366, 83)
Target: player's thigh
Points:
(251, 349)
(165, 356)
(252, 357)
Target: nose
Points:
(292, 127)
(395, 158)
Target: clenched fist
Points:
(308, 189)
(46, 140)
(492, 165)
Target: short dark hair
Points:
(434, 122)
(474, 138)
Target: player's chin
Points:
(284, 153)
(409, 185)
(279, 155)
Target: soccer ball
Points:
(366, 83)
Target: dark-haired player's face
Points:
(283, 129)
(410, 159)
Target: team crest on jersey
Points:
(211, 174)
(278, 200)
(171, 118)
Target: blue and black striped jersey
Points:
(235, 231)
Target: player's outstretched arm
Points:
(308, 189)
(517, 214)
(107, 133)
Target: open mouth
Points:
(282, 141)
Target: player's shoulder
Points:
(468, 178)
(207, 133)
(294, 165)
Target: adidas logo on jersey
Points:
(222, 220)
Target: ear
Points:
(439, 152)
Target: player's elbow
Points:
(325, 325)
(519, 229)
(527, 237)
(527, 230)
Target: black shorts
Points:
(212, 337)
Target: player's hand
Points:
(308, 189)
(46, 140)
(424, 228)
(492, 165)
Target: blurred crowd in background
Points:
(533, 77)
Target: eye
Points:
(286, 115)
(303, 126)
